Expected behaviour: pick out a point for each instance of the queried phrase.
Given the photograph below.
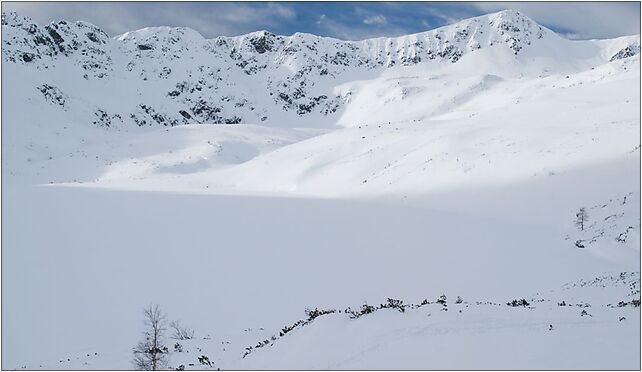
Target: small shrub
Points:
(204, 360)
(634, 303)
(180, 332)
(365, 309)
(517, 303)
(394, 304)
(313, 314)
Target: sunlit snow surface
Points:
(462, 179)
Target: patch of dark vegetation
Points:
(633, 303)
(518, 303)
(365, 309)
(205, 360)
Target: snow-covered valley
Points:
(451, 162)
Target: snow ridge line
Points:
(365, 309)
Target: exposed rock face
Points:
(53, 95)
(629, 51)
(175, 76)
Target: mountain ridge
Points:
(452, 183)
(178, 77)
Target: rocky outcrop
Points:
(183, 78)
(629, 51)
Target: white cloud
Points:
(445, 16)
(573, 20)
(281, 10)
(378, 19)
(357, 31)
(210, 19)
(579, 19)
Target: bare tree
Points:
(179, 332)
(582, 218)
(151, 353)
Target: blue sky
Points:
(344, 20)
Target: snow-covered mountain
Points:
(255, 176)
(174, 76)
(74, 75)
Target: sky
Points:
(343, 20)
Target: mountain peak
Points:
(203, 80)
(14, 19)
(508, 14)
(160, 33)
(513, 20)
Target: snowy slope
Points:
(451, 162)
(175, 76)
(90, 262)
